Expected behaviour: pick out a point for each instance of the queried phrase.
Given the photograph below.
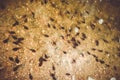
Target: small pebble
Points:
(113, 78)
(100, 21)
(76, 30)
(90, 78)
